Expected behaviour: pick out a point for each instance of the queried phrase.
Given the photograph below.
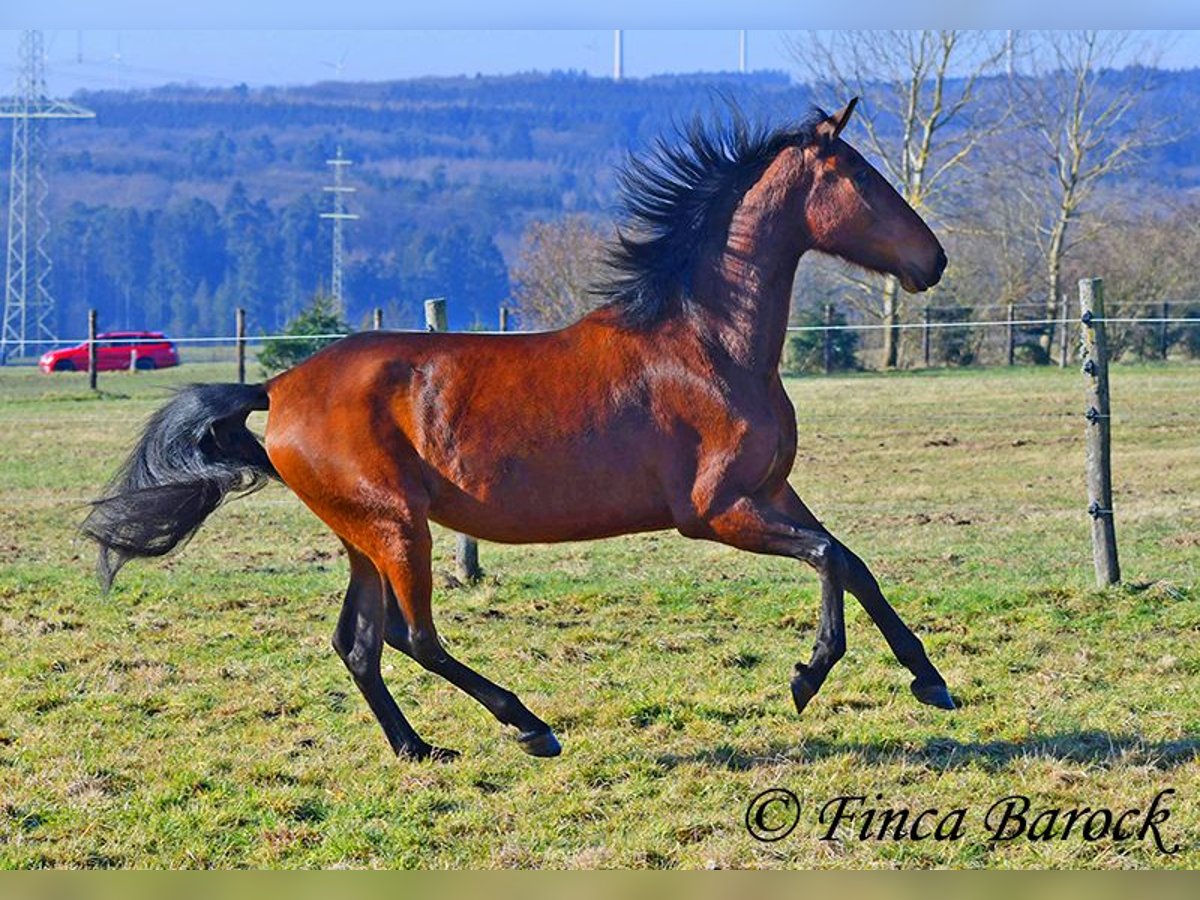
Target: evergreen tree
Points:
(252, 246)
(304, 253)
(306, 334)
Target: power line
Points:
(28, 303)
(338, 216)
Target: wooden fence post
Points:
(1064, 347)
(926, 338)
(466, 550)
(239, 329)
(1012, 335)
(377, 319)
(1163, 333)
(91, 342)
(435, 314)
(827, 346)
(1094, 345)
(504, 318)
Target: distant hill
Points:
(177, 204)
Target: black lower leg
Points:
(830, 645)
(358, 641)
(405, 742)
(534, 735)
(928, 686)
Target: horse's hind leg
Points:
(358, 640)
(406, 565)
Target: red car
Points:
(115, 350)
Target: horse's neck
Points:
(747, 297)
(747, 300)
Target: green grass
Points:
(197, 716)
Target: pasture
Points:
(197, 715)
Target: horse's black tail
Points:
(194, 452)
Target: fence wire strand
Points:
(793, 329)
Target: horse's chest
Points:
(765, 446)
(767, 454)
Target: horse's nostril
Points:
(941, 262)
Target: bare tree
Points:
(1085, 128)
(559, 263)
(921, 112)
(1147, 256)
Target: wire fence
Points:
(992, 334)
(944, 336)
(792, 329)
(969, 324)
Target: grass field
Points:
(197, 716)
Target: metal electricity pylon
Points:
(339, 215)
(27, 300)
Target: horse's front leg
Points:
(928, 686)
(759, 527)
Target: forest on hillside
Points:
(176, 205)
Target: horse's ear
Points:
(829, 129)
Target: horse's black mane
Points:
(675, 197)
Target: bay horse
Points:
(663, 408)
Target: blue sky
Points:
(761, 14)
(138, 58)
(142, 43)
(130, 58)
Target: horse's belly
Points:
(551, 497)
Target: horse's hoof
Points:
(934, 695)
(802, 688)
(427, 752)
(539, 743)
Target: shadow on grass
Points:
(943, 754)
